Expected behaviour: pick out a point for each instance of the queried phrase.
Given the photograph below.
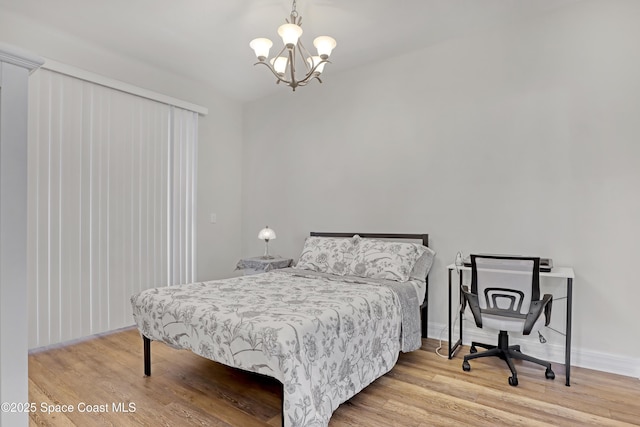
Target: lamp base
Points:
(266, 250)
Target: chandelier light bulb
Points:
(261, 47)
(325, 45)
(290, 34)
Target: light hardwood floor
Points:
(421, 390)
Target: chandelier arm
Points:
(275, 73)
(303, 51)
(306, 82)
(280, 53)
(312, 74)
(307, 79)
(273, 70)
(309, 76)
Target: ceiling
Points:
(208, 40)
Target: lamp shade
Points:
(325, 45)
(261, 47)
(280, 64)
(266, 234)
(315, 60)
(290, 34)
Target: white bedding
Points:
(324, 338)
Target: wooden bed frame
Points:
(424, 308)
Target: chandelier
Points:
(283, 65)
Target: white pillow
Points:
(326, 255)
(423, 265)
(380, 259)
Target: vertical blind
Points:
(182, 248)
(111, 204)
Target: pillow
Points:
(326, 255)
(423, 265)
(381, 259)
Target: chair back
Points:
(505, 285)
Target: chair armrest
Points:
(547, 309)
(535, 310)
(474, 305)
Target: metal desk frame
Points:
(557, 272)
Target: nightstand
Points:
(257, 265)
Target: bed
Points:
(326, 328)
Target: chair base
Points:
(505, 352)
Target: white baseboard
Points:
(551, 351)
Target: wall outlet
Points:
(213, 218)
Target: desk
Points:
(557, 272)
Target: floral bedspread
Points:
(325, 340)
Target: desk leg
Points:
(460, 308)
(449, 328)
(567, 345)
(453, 347)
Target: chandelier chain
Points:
(294, 12)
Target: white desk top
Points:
(560, 272)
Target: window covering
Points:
(111, 198)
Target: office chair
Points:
(505, 295)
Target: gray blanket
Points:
(411, 338)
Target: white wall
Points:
(220, 134)
(522, 140)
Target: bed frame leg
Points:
(147, 356)
(424, 320)
(424, 310)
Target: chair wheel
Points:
(465, 366)
(473, 349)
(549, 374)
(513, 381)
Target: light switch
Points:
(213, 218)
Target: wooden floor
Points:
(423, 389)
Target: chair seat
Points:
(501, 323)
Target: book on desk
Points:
(546, 264)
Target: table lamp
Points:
(266, 234)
